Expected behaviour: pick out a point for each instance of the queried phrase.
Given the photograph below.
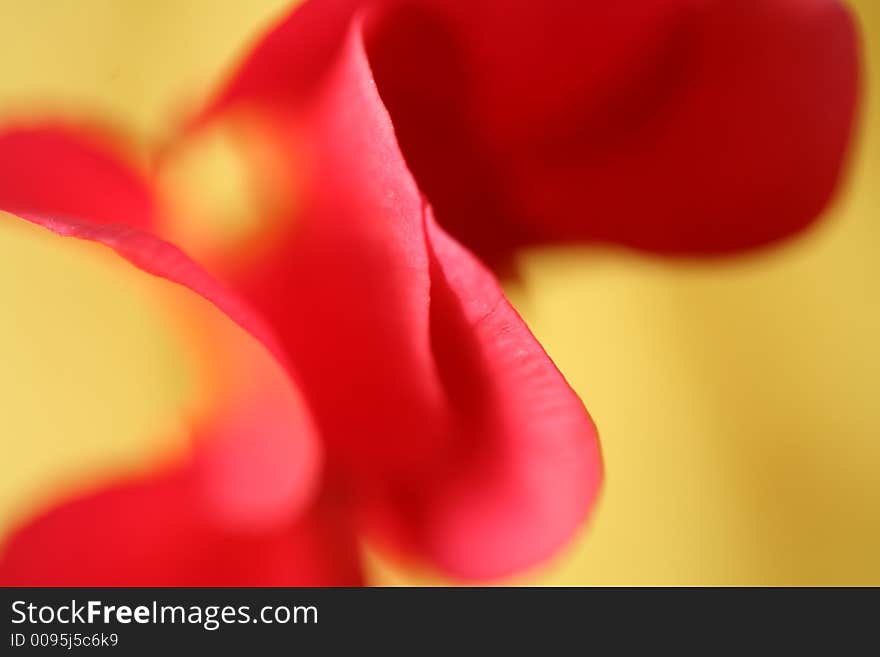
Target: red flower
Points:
(431, 417)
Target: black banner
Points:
(318, 621)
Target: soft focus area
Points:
(737, 400)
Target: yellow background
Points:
(737, 400)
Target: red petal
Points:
(674, 126)
(534, 467)
(680, 126)
(288, 62)
(151, 532)
(62, 172)
(441, 413)
(260, 461)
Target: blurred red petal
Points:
(287, 63)
(65, 172)
(260, 459)
(441, 414)
(678, 126)
(152, 532)
(673, 126)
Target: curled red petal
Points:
(534, 467)
(677, 126)
(152, 532)
(444, 420)
(259, 459)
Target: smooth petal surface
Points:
(64, 172)
(287, 63)
(445, 422)
(258, 458)
(677, 126)
(152, 532)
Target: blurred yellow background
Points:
(737, 400)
